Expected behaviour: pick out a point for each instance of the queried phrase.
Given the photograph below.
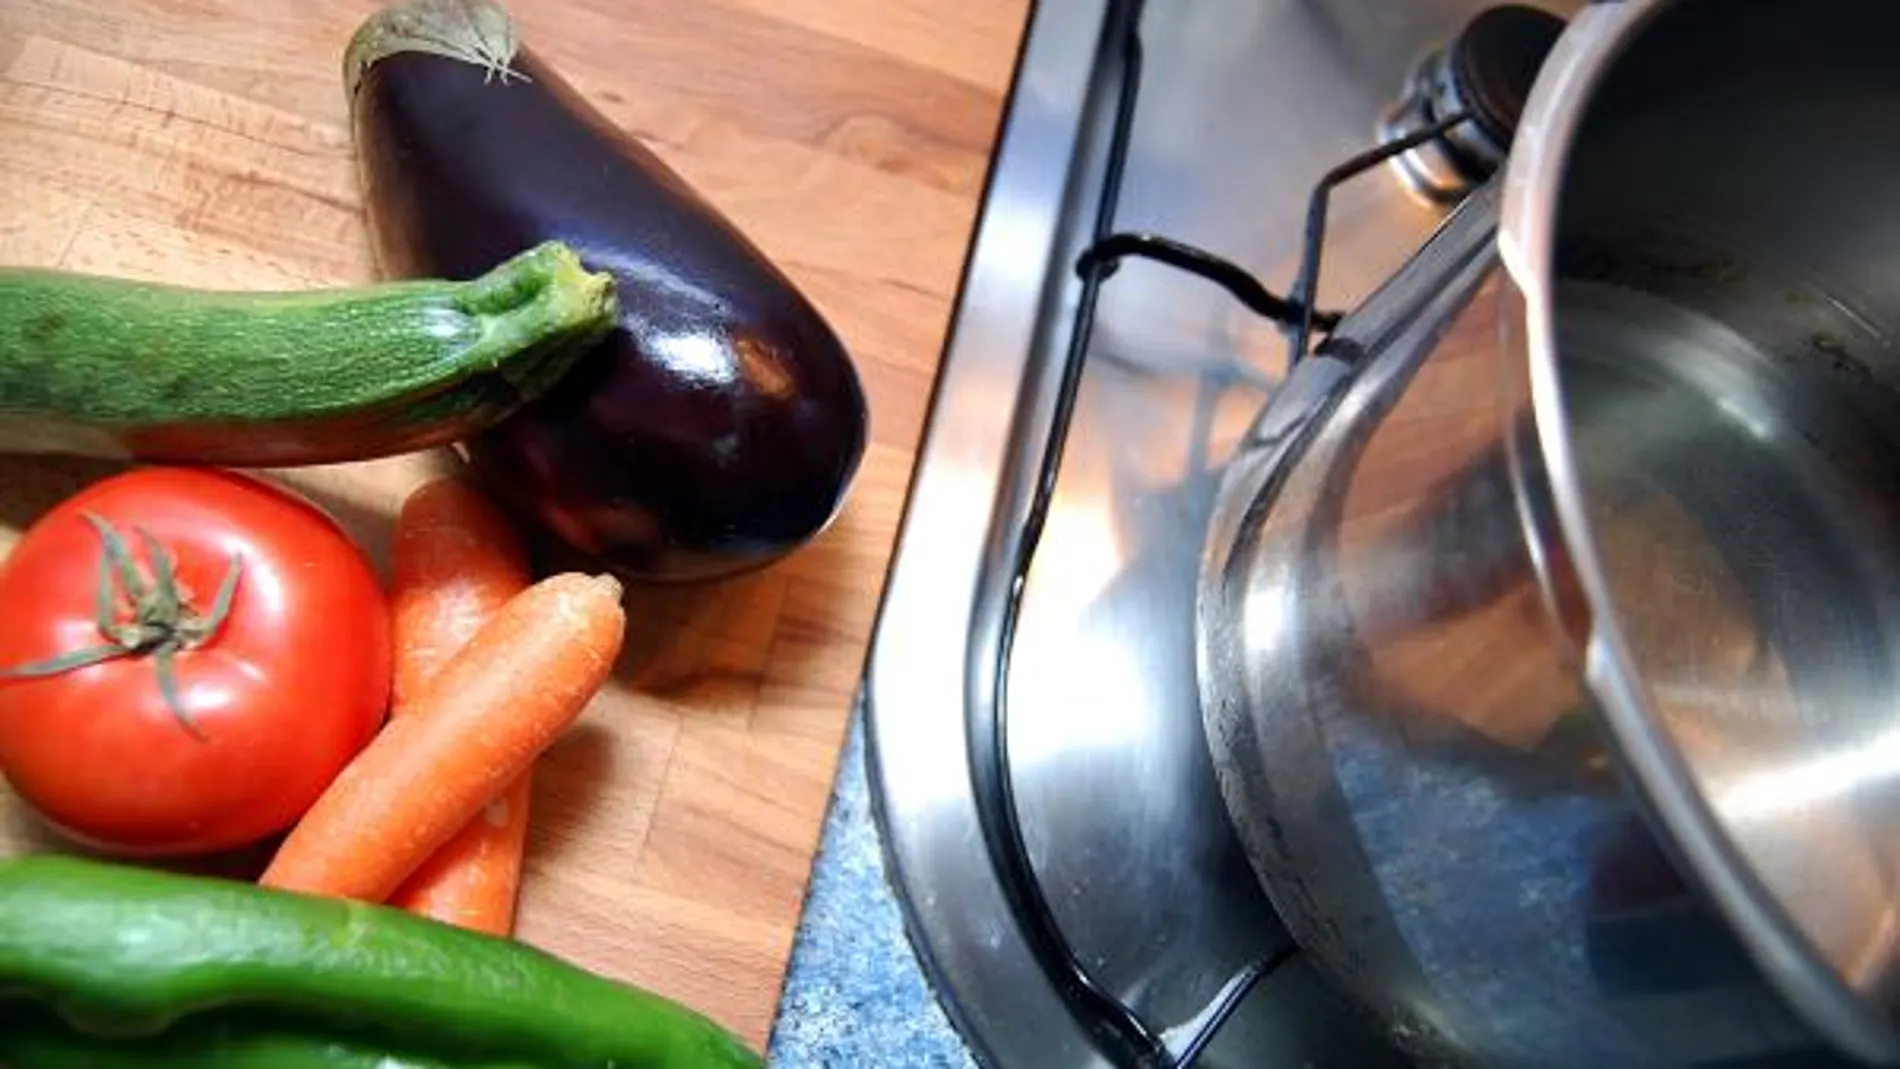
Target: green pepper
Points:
(39, 1040)
(98, 961)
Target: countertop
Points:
(206, 143)
(855, 995)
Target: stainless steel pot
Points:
(1550, 627)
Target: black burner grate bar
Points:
(1115, 1029)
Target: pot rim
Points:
(1654, 765)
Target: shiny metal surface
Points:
(1444, 169)
(1549, 659)
(1393, 711)
(914, 690)
(1244, 106)
(1772, 769)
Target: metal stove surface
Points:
(1244, 104)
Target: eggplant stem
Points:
(477, 32)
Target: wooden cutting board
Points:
(203, 142)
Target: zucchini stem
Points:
(541, 303)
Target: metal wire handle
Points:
(1115, 1028)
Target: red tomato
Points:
(271, 705)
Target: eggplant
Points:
(719, 425)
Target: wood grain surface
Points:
(203, 142)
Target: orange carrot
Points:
(494, 707)
(458, 561)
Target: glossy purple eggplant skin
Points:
(719, 426)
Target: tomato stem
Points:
(164, 663)
(161, 622)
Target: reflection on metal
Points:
(1485, 72)
(1500, 649)
(1123, 825)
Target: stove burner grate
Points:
(1489, 63)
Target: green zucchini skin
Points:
(111, 367)
(122, 955)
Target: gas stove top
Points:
(1068, 871)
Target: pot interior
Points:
(1727, 303)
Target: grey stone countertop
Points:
(855, 995)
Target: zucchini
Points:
(110, 367)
